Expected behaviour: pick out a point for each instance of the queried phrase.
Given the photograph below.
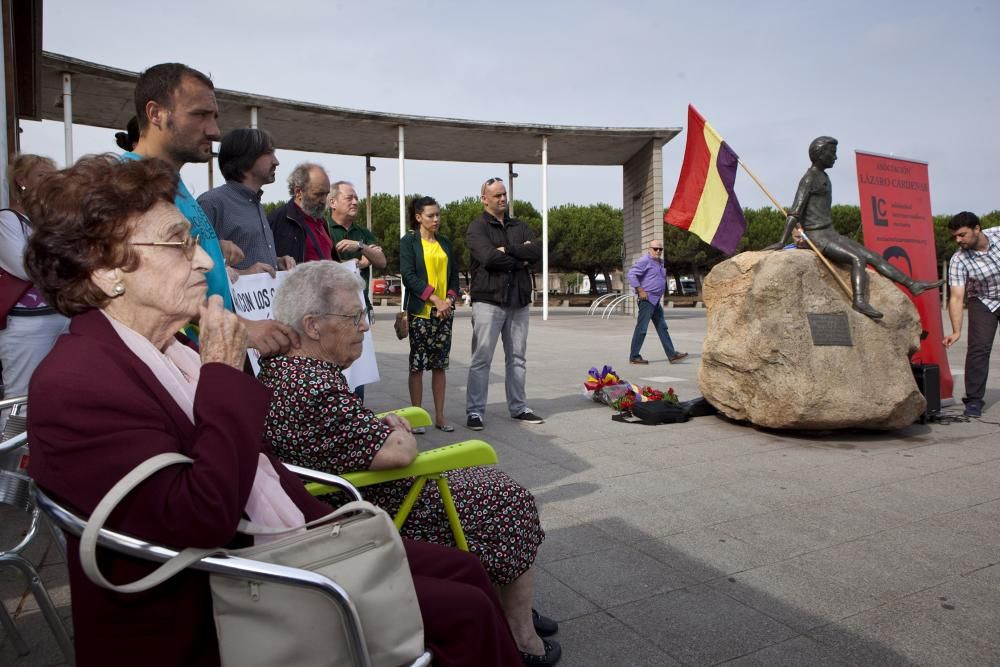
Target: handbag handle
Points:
(88, 541)
(186, 557)
(251, 528)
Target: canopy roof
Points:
(102, 97)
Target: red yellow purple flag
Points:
(704, 202)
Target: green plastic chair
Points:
(429, 465)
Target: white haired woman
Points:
(316, 421)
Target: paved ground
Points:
(712, 542)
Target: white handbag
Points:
(264, 623)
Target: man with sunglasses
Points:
(501, 249)
(648, 278)
(178, 121)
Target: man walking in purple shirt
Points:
(648, 278)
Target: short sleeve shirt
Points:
(315, 420)
(979, 271)
(218, 279)
(355, 233)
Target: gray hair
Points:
(299, 178)
(335, 188)
(313, 287)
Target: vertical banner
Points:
(896, 216)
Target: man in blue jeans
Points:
(648, 278)
(501, 249)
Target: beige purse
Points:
(264, 623)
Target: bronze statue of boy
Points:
(811, 210)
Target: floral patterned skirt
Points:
(499, 517)
(430, 343)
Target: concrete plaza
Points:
(713, 542)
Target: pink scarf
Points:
(178, 370)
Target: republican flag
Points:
(704, 202)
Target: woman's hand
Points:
(443, 307)
(222, 337)
(394, 422)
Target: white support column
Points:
(545, 228)
(253, 118)
(368, 190)
(402, 198)
(368, 217)
(67, 100)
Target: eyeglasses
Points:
(355, 318)
(187, 246)
(495, 179)
(657, 249)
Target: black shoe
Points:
(553, 651)
(973, 410)
(474, 422)
(544, 626)
(639, 361)
(529, 417)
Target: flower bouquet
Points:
(605, 386)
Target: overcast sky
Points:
(916, 79)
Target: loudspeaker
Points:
(928, 377)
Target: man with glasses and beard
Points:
(298, 226)
(648, 278)
(178, 120)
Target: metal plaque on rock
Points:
(830, 329)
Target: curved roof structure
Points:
(102, 97)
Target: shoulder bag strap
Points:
(251, 528)
(88, 541)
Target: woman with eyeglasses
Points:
(112, 251)
(316, 422)
(428, 269)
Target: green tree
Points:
(686, 254)
(847, 221)
(764, 227)
(585, 239)
(455, 219)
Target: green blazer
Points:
(414, 271)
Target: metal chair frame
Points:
(233, 566)
(16, 490)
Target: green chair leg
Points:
(452, 512)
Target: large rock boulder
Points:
(761, 361)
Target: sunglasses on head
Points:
(495, 179)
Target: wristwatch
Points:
(361, 246)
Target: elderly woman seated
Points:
(116, 255)
(315, 421)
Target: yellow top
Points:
(436, 263)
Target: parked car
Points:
(387, 286)
(687, 286)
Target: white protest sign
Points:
(365, 369)
(252, 298)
